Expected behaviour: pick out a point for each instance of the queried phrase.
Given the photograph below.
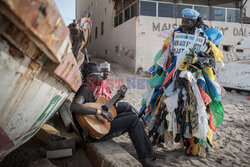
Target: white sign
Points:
(163, 60)
(182, 41)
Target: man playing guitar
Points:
(124, 121)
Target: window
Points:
(116, 21)
(165, 10)
(180, 7)
(116, 49)
(226, 48)
(96, 32)
(218, 14)
(171, 10)
(148, 8)
(239, 50)
(233, 15)
(106, 51)
(204, 11)
(121, 18)
(133, 10)
(102, 28)
(127, 14)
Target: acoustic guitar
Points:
(97, 125)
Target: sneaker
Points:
(147, 163)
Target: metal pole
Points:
(76, 9)
(241, 7)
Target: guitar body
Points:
(97, 125)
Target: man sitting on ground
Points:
(122, 106)
(124, 122)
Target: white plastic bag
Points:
(163, 60)
(169, 91)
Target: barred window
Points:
(127, 14)
(233, 15)
(204, 11)
(121, 18)
(148, 8)
(116, 21)
(165, 10)
(180, 7)
(218, 14)
(133, 10)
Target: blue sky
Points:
(67, 10)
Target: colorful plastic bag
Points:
(212, 89)
(214, 35)
(216, 108)
(157, 57)
(156, 80)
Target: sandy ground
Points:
(231, 140)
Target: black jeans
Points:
(124, 107)
(127, 121)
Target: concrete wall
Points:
(247, 7)
(233, 32)
(135, 42)
(148, 42)
(117, 44)
(82, 6)
(244, 55)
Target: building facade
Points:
(127, 31)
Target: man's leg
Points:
(125, 107)
(129, 122)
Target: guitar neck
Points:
(112, 101)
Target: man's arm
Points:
(78, 107)
(203, 59)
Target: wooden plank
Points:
(29, 96)
(69, 72)
(5, 142)
(41, 21)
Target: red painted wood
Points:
(5, 142)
